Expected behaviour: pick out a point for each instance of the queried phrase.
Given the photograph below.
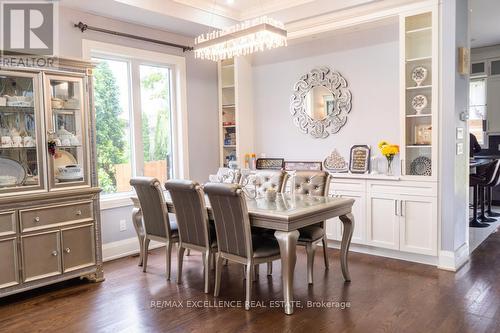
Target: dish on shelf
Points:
(61, 159)
(57, 103)
(13, 173)
(418, 103)
(19, 101)
(70, 172)
(419, 74)
(421, 166)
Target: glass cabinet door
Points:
(21, 127)
(67, 131)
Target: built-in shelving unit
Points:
(235, 110)
(418, 40)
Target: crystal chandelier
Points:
(251, 36)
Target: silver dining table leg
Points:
(348, 222)
(288, 244)
(139, 230)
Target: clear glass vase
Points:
(389, 171)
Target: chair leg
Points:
(188, 252)
(180, 259)
(168, 246)
(226, 262)
(256, 272)
(218, 274)
(145, 248)
(325, 255)
(310, 249)
(206, 269)
(212, 260)
(270, 268)
(248, 296)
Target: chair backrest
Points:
(232, 223)
(493, 173)
(154, 210)
(270, 179)
(190, 211)
(311, 183)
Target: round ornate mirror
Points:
(320, 102)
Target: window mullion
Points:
(136, 114)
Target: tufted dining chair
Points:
(266, 179)
(236, 242)
(157, 225)
(316, 183)
(195, 231)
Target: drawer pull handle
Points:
(67, 250)
(54, 253)
(37, 219)
(78, 212)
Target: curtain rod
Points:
(83, 27)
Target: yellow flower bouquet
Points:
(389, 150)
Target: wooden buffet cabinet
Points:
(49, 199)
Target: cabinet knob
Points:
(78, 212)
(67, 250)
(54, 253)
(37, 219)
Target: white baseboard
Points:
(454, 260)
(124, 248)
(376, 251)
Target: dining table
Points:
(285, 215)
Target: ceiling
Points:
(193, 17)
(485, 22)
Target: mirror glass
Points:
(319, 103)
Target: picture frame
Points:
(303, 166)
(270, 163)
(359, 160)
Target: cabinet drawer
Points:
(351, 185)
(428, 189)
(78, 247)
(7, 223)
(41, 255)
(37, 218)
(9, 267)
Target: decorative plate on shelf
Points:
(13, 172)
(335, 162)
(419, 103)
(419, 74)
(421, 166)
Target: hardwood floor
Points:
(385, 295)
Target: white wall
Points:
(454, 100)
(367, 59)
(202, 104)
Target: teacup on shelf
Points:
(17, 141)
(28, 141)
(6, 142)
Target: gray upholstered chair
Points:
(234, 237)
(157, 225)
(312, 183)
(195, 231)
(265, 179)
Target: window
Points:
(140, 116)
(477, 108)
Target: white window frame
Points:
(136, 57)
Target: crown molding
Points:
(265, 8)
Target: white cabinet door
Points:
(359, 212)
(493, 104)
(382, 221)
(418, 225)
